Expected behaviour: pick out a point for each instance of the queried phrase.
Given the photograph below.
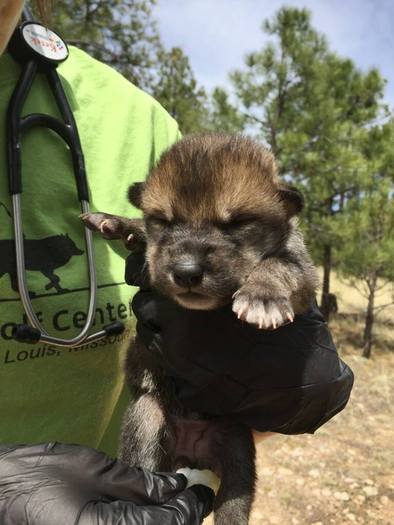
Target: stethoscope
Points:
(40, 50)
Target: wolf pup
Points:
(219, 227)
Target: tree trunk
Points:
(325, 297)
(369, 319)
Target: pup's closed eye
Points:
(158, 220)
(242, 219)
(238, 221)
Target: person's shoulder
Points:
(89, 75)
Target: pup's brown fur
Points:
(220, 228)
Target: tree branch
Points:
(381, 307)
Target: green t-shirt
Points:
(47, 392)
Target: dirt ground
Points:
(344, 474)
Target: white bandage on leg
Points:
(200, 477)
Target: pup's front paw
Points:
(267, 313)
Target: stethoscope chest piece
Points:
(35, 41)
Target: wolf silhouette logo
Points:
(41, 255)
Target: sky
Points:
(216, 34)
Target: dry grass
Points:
(344, 474)
(351, 301)
(347, 325)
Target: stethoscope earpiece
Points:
(24, 333)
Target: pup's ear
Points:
(131, 231)
(292, 199)
(135, 193)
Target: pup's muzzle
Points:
(187, 274)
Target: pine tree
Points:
(312, 108)
(177, 90)
(122, 34)
(365, 253)
(223, 115)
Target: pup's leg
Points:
(258, 437)
(235, 453)
(278, 288)
(131, 231)
(147, 434)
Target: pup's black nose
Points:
(187, 274)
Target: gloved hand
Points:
(288, 380)
(75, 485)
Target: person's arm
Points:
(71, 484)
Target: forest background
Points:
(329, 124)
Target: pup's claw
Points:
(108, 225)
(264, 312)
(104, 226)
(241, 313)
(289, 317)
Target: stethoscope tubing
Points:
(24, 293)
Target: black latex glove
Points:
(289, 380)
(62, 484)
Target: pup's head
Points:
(213, 208)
